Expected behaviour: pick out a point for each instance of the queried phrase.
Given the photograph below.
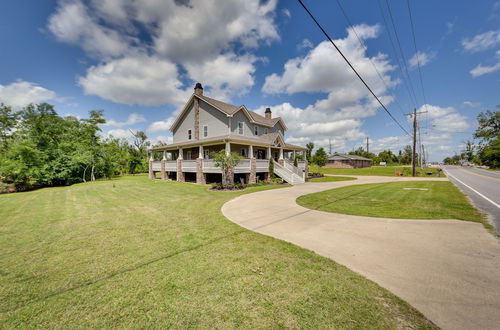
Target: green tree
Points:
(310, 147)
(488, 131)
(320, 157)
(8, 121)
(227, 163)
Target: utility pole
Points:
(414, 150)
(367, 145)
(330, 143)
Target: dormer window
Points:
(240, 128)
(205, 131)
(189, 134)
(256, 130)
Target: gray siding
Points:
(187, 122)
(276, 128)
(216, 121)
(247, 127)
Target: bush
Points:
(220, 186)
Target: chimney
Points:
(198, 89)
(268, 113)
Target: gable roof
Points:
(346, 156)
(230, 110)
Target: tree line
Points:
(403, 157)
(484, 149)
(40, 148)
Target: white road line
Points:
(474, 190)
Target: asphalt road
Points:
(482, 186)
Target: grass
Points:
(331, 179)
(376, 170)
(441, 200)
(137, 253)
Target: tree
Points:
(271, 168)
(488, 131)
(226, 162)
(139, 152)
(388, 157)
(310, 147)
(8, 121)
(320, 157)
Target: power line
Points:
(401, 50)
(416, 53)
(366, 50)
(352, 67)
(396, 55)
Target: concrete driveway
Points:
(448, 269)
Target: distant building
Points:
(348, 161)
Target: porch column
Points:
(268, 156)
(200, 176)
(180, 174)
(252, 178)
(162, 166)
(294, 155)
(151, 173)
(281, 160)
(228, 148)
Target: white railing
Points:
(189, 166)
(301, 165)
(287, 175)
(262, 165)
(289, 166)
(209, 166)
(156, 166)
(243, 166)
(171, 165)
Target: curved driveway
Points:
(448, 269)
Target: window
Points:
(189, 134)
(205, 131)
(266, 131)
(256, 130)
(240, 128)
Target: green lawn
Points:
(375, 170)
(136, 253)
(442, 200)
(332, 179)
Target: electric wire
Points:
(351, 66)
(401, 51)
(396, 55)
(366, 50)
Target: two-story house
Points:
(206, 125)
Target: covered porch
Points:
(194, 161)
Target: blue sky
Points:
(139, 60)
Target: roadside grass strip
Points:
(138, 253)
(332, 179)
(378, 171)
(401, 200)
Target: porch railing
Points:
(262, 165)
(243, 166)
(189, 165)
(171, 165)
(156, 165)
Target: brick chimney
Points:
(198, 89)
(268, 113)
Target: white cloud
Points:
(482, 41)
(145, 45)
(338, 116)
(421, 58)
(21, 93)
(143, 80)
(132, 119)
(119, 133)
(72, 23)
(324, 70)
(161, 125)
(287, 13)
(305, 44)
(163, 139)
(482, 70)
(472, 104)
(227, 74)
(445, 119)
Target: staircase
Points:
(289, 173)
